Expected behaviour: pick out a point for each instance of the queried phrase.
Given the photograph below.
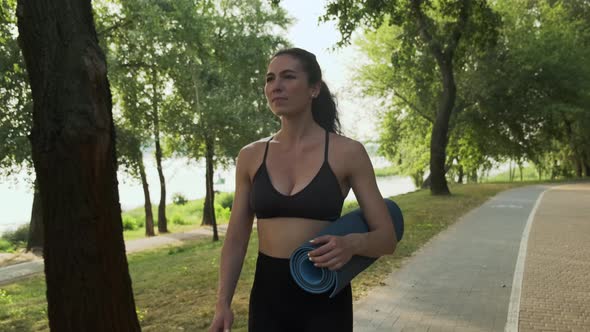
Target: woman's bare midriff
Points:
(279, 237)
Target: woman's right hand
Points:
(223, 320)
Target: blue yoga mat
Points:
(321, 280)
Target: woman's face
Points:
(287, 89)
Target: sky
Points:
(357, 118)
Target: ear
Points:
(315, 89)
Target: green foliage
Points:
(179, 199)
(221, 212)
(17, 237)
(15, 97)
(178, 220)
(226, 200)
(519, 97)
(6, 246)
(417, 51)
(385, 171)
(130, 223)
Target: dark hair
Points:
(323, 107)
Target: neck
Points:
(295, 129)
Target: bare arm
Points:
(237, 236)
(381, 239)
(335, 251)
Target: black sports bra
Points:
(321, 199)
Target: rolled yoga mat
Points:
(321, 280)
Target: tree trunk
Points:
(73, 150)
(209, 206)
(461, 174)
(579, 166)
(586, 165)
(35, 240)
(149, 218)
(417, 178)
(440, 130)
(162, 223)
(473, 176)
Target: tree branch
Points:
(432, 43)
(457, 32)
(414, 107)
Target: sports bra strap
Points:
(266, 148)
(326, 149)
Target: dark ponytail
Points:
(323, 107)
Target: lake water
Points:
(182, 176)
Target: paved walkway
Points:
(556, 283)
(15, 272)
(462, 279)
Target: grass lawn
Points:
(175, 287)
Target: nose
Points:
(275, 85)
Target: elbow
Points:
(391, 244)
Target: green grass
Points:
(190, 214)
(385, 171)
(175, 287)
(529, 173)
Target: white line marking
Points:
(514, 306)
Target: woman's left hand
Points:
(333, 251)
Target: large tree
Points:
(222, 54)
(73, 150)
(533, 87)
(16, 109)
(139, 44)
(443, 30)
(130, 156)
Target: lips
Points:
(279, 99)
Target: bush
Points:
(225, 200)
(130, 223)
(221, 213)
(178, 220)
(179, 199)
(19, 236)
(6, 246)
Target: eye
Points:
(269, 78)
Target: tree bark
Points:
(440, 129)
(586, 165)
(35, 240)
(162, 222)
(209, 206)
(579, 166)
(73, 150)
(149, 218)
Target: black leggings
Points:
(277, 304)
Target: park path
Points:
(16, 272)
(556, 282)
(468, 278)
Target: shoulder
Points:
(345, 147)
(348, 156)
(251, 155)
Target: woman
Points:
(295, 184)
